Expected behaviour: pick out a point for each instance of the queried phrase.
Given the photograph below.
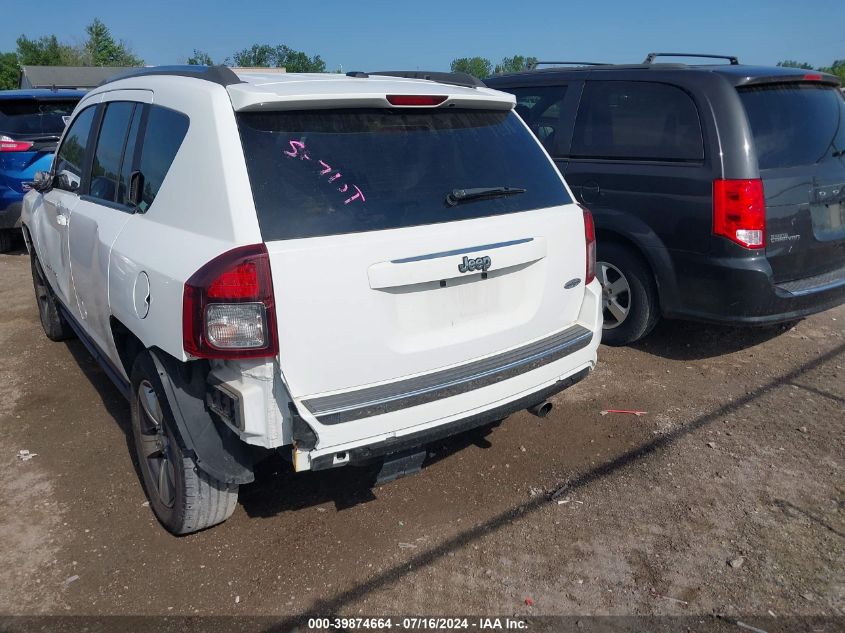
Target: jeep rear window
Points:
(28, 117)
(794, 124)
(328, 172)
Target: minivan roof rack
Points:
(453, 79)
(734, 61)
(536, 64)
(222, 75)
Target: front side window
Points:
(637, 120)
(328, 172)
(540, 107)
(105, 170)
(164, 133)
(71, 155)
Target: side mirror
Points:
(43, 181)
(136, 189)
(66, 183)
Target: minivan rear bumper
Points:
(741, 291)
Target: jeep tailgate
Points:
(377, 275)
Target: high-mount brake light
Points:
(590, 238)
(228, 308)
(416, 100)
(739, 211)
(8, 144)
(812, 77)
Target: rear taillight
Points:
(415, 100)
(739, 211)
(590, 238)
(228, 309)
(10, 145)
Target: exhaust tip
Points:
(542, 409)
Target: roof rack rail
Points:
(222, 75)
(453, 79)
(651, 56)
(536, 64)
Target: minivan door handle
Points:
(590, 191)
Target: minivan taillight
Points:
(228, 309)
(590, 238)
(739, 211)
(8, 144)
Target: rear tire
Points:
(55, 325)
(183, 498)
(7, 240)
(629, 294)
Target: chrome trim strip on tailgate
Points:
(370, 401)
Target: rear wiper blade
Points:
(457, 196)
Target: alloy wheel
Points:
(155, 447)
(615, 294)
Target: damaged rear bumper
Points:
(305, 459)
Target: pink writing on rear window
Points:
(298, 150)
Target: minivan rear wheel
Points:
(629, 294)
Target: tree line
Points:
(100, 48)
(836, 68)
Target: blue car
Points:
(31, 122)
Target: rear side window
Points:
(71, 156)
(105, 171)
(326, 172)
(33, 117)
(540, 108)
(796, 124)
(164, 133)
(637, 120)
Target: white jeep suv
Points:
(346, 267)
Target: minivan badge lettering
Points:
(477, 263)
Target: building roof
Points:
(67, 76)
(41, 94)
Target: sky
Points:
(393, 35)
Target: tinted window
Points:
(71, 155)
(164, 134)
(325, 172)
(540, 107)
(105, 171)
(637, 120)
(129, 156)
(31, 117)
(793, 125)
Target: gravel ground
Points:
(727, 497)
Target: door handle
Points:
(590, 192)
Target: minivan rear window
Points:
(30, 117)
(794, 124)
(329, 172)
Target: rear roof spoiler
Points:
(453, 79)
